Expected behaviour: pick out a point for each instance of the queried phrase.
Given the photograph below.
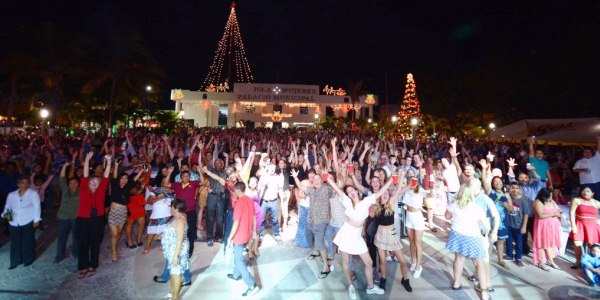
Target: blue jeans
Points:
(239, 265)
(592, 278)
(65, 226)
(215, 206)
(228, 225)
(330, 233)
(514, 235)
(274, 208)
(187, 274)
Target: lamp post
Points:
(492, 126)
(394, 119)
(414, 121)
(44, 114)
(148, 88)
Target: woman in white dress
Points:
(160, 199)
(349, 238)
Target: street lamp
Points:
(181, 114)
(394, 119)
(369, 120)
(148, 88)
(414, 121)
(492, 126)
(316, 116)
(44, 114)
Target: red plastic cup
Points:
(330, 156)
(413, 182)
(350, 168)
(395, 179)
(325, 176)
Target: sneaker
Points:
(211, 243)
(413, 267)
(250, 291)
(382, 284)
(418, 271)
(507, 258)
(519, 263)
(406, 284)
(352, 292)
(375, 290)
(230, 276)
(389, 259)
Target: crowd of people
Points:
(356, 193)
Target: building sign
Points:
(276, 92)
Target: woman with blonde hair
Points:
(387, 239)
(466, 237)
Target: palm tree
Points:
(18, 65)
(126, 68)
(355, 90)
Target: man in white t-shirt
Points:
(588, 168)
(450, 179)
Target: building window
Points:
(277, 107)
(304, 110)
(250, 109)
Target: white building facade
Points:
(268, 105)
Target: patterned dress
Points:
(499, 199)
(169, 243)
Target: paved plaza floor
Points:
(281, 271)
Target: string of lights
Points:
(231, 46)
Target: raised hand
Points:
(294, 173)
(452, 141)
(453, 152)
(511, 162)
(484, 164)
(89, 156)
(490, 156)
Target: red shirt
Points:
(89, 200)
(230, 186)
(243, 212)
(188, 193)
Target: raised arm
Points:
(335, 187)
(86, 164)
(108, 165)
(384, 189)
(359, 187)
(213, 176)
(487, 186)
(298, 182)
(362, 155)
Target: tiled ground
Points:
(281, 271)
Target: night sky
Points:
(526, 58)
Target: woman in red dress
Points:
(585, 226)
(137, 213)
(546, 228)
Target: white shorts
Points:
(415, 220)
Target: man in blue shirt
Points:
(540, 165)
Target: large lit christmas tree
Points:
(410, 107)
(230, 63)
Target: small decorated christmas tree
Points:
(410, 107)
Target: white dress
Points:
(161, 211)
(349, 238)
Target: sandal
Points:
(457, 288)
(324, 274)
(543, 267)
(575, 267)
(91, 272)
(312, 256)
(145, 251)
(82, 274)
(553, 265)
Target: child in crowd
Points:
(591, 266)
